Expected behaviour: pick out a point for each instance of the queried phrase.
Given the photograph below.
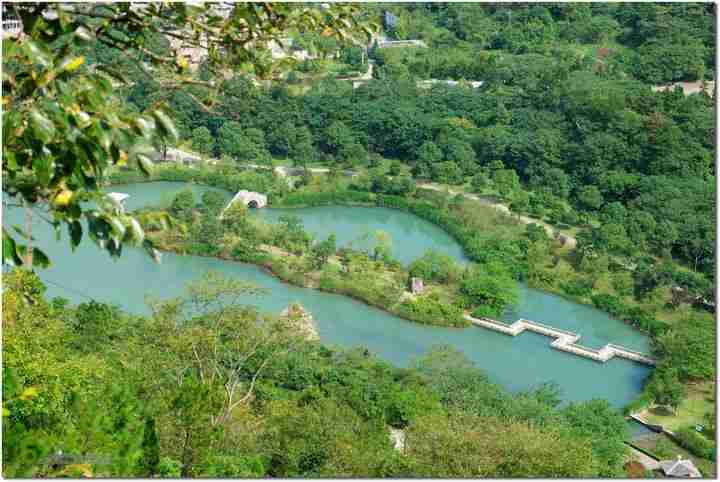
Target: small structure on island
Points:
(250, 199)
(416, 285)
(397, 437)
(680, 468)
(302, 320)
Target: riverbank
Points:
(372, 279)
(466, 228)
(277, 261)
(471, 226)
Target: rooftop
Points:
(680, 468)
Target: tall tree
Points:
(202, 141)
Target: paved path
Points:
(688, 87)
(648, 462)
(569, 240)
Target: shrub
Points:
(183, 205)
(248, 253)
(578, 287)
(434, 266)
(169, 468)
(306, 198)
(695, 443)
(609, 303)
(430, 309)
(489, 285)
(645, 320)
(484, 312)
(218, 466)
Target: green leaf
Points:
(76, 232)
(36, 54)
(117, 226)
(145, 127)
(10, 160)
(9, 250)
(40, 259)
(150, 248)
(42, 126)
(167, 128)
(43, 167)
(9, 47)
(137, 231)
(145, 164)
(84, 34)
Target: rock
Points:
(302, 321)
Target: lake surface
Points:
(516, 363)
(411, 236)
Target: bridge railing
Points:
(548, 327)
(582, 347)
(627, 350)
(561, 342)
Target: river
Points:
(516, 363)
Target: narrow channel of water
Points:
(517, 363)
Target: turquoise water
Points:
(160, 193)
(517, 363)
(411, 236)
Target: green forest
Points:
(561, 107)
(567, 128)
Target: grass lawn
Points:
(691, 412)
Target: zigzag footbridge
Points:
(564, 340)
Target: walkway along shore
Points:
(564, 340)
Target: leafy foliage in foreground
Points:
(63, 124)
(208, 387)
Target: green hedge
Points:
(695, 443)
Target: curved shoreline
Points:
(280, 205)
(472, 322)
(559, 293)
(268, 269)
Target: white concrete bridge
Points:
(564, 340)
(250, 199)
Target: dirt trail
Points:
(569, 240)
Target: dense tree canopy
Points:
(261, 401)
(581, 132)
